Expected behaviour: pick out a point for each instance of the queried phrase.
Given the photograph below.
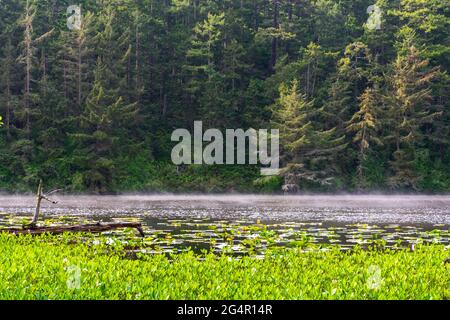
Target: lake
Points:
(239, 223)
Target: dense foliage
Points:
(361, 98)
(39, 269)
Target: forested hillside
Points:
(361, 104)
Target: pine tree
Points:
(430, 21)
(76, 55)
(381, 41)
(342, 101)
(306, 150)
(292, 114)
(350, 81)
(206, 83)
(438, 135)
(409, 100)
(364, 128)
(6, 83)
(28, 58)
(339, 105)
(104, 122)
(313, 55)
(233, 64)
(108, 114)
(206, 36)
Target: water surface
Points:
(232, 222)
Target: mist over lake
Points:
(194, 220)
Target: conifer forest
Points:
(359, 90)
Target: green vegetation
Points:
(63, 268)
(359, 107)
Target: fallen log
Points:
(87, 228)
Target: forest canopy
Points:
(358, 89)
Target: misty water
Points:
(236, 222)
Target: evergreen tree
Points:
(430, 21)
(95, 107)
(350, 81)
(206, 35)
(409, 100)
(28, 58)
(306, 150)
(76, 55)
(7, 63)
(206, 81)
(104, 123)
(364, 128)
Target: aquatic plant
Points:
(71, 267)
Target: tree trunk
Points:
(275, 39)
(38, 204)
(8, 105)
(79, 70)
